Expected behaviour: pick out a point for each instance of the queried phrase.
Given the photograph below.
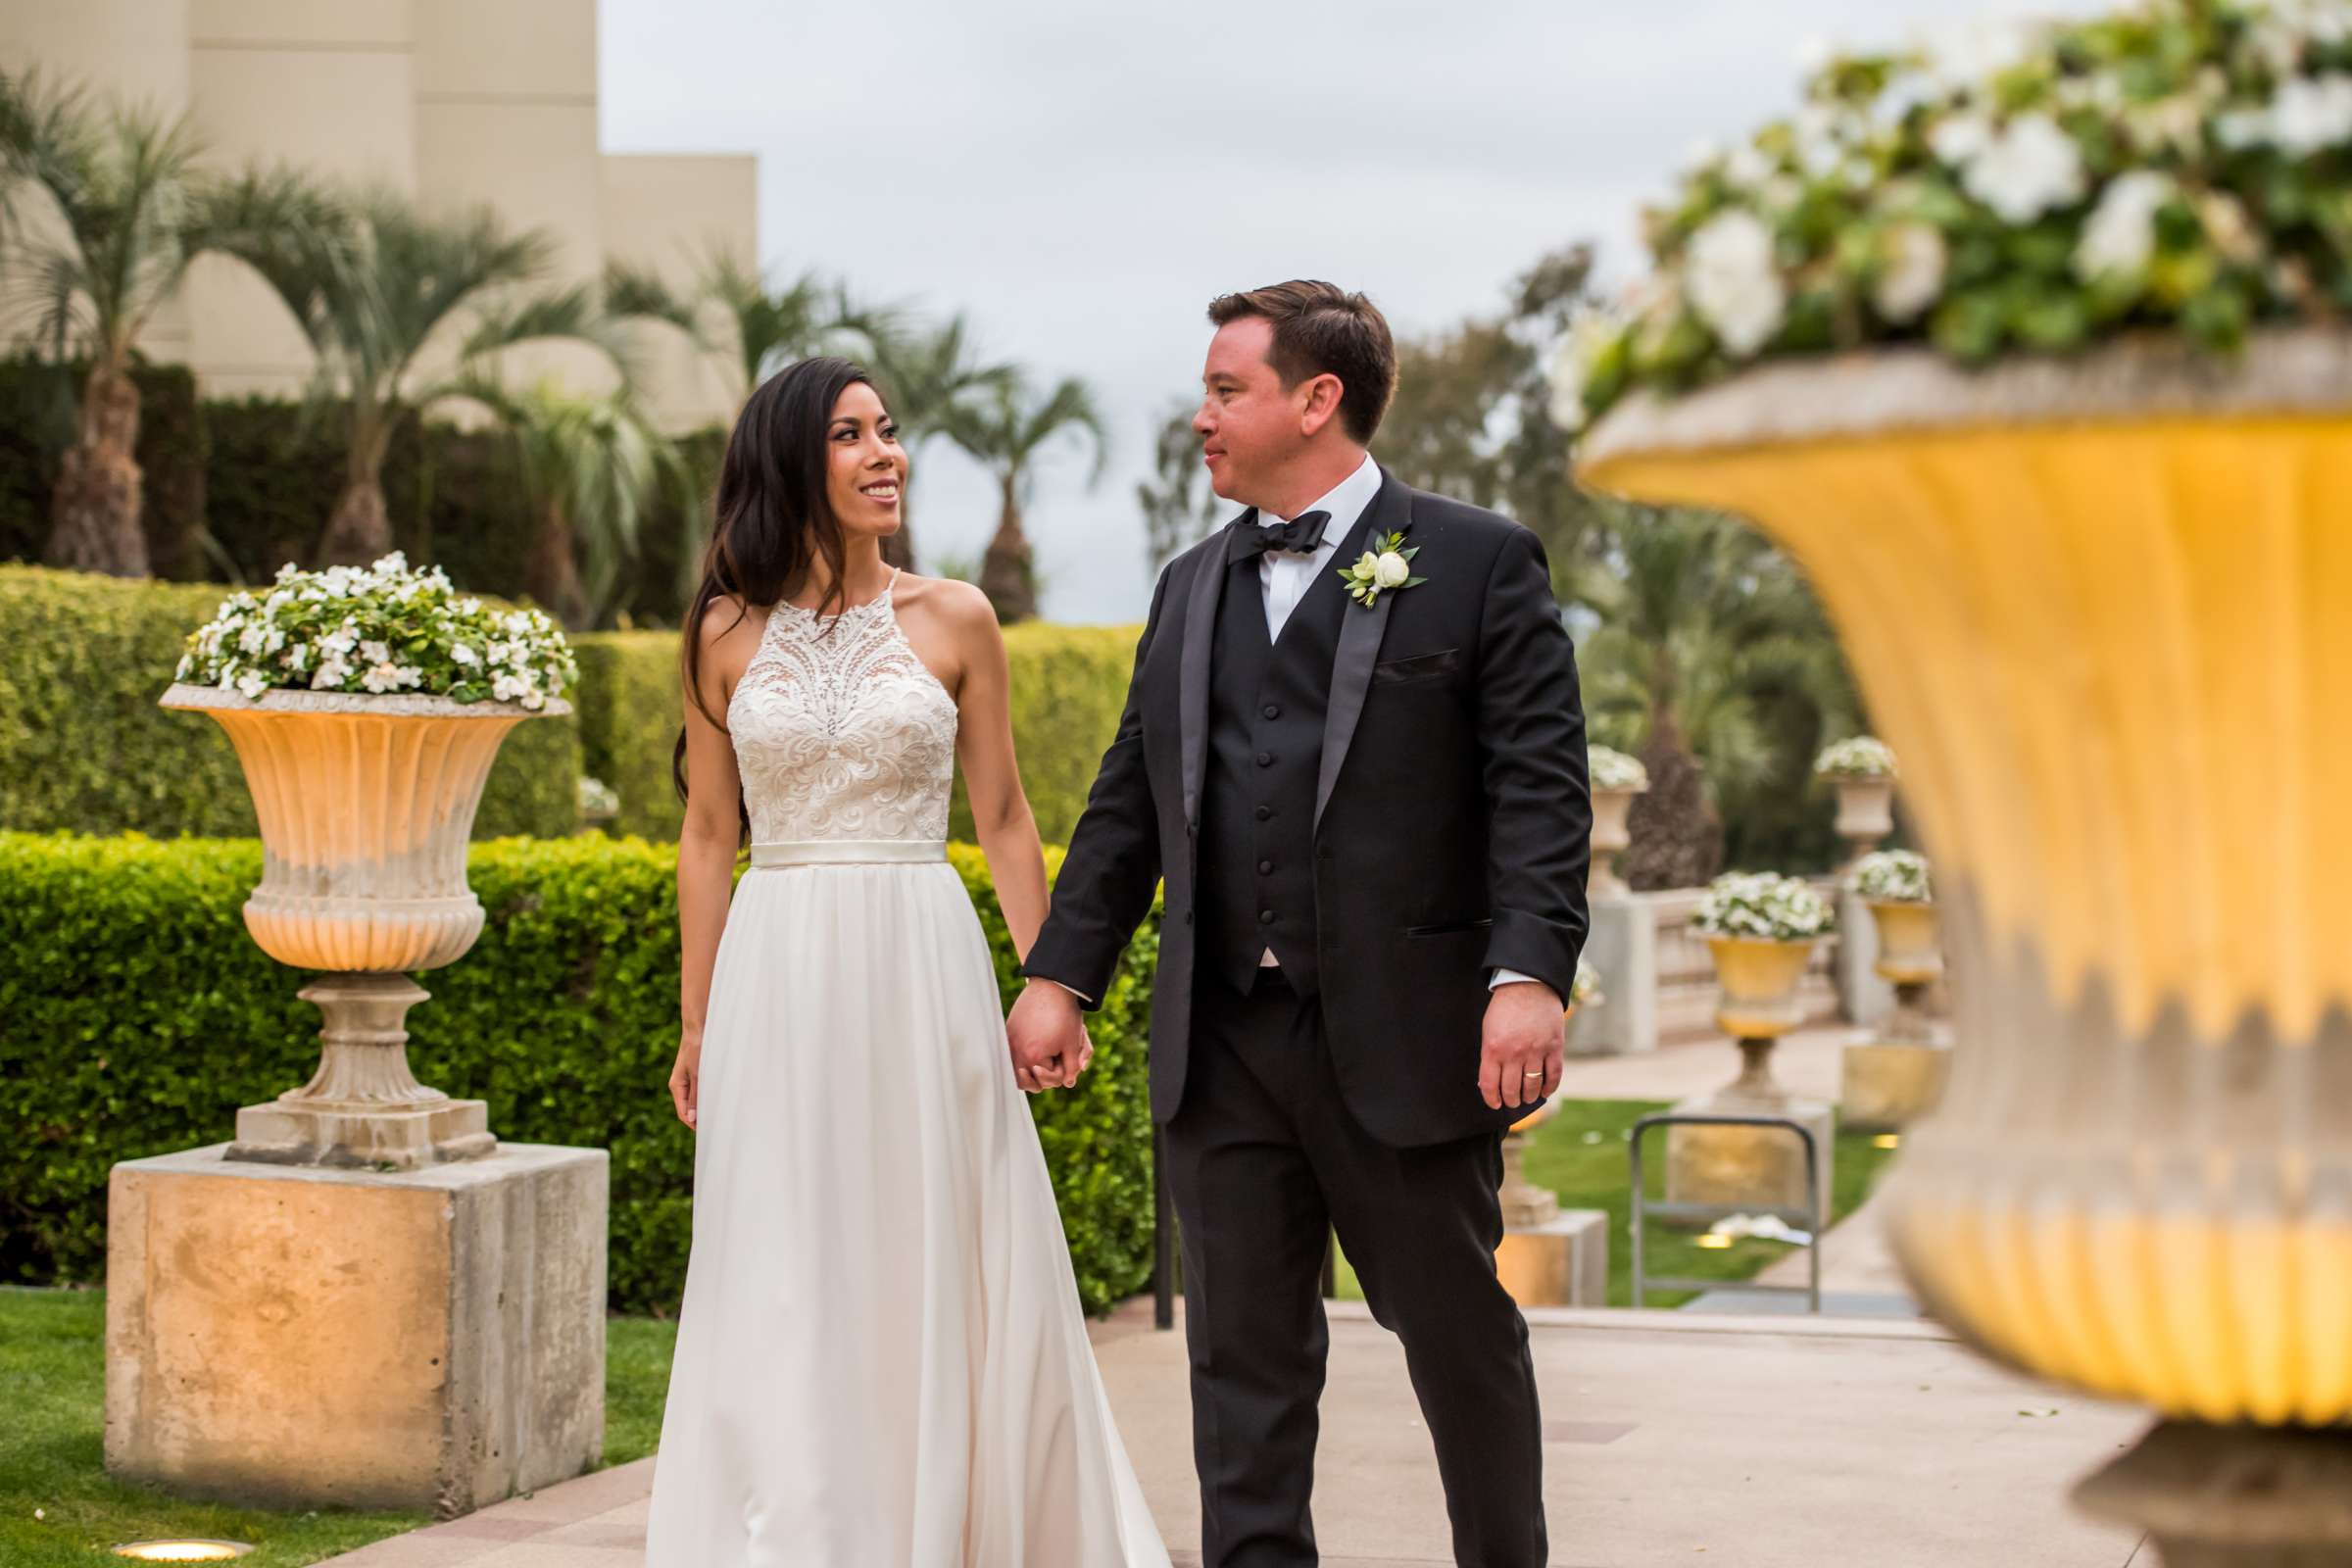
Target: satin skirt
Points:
(881, 1358)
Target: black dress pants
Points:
(1263, 1162)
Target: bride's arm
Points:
(707, 839)
(992, 781)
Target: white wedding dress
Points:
(881, 1358)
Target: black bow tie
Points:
(1301, 534)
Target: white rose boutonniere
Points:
(1380, 569)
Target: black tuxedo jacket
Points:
(1452, 829)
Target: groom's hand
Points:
(1046, 1035)
(1526, 1041)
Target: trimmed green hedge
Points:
(84, 748)
(1068, 683)
(136, 1015)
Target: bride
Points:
(881, 1358)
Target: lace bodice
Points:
(840, 731)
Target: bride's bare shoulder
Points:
(726, 636)
(957, 605)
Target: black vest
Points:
(1256, 880)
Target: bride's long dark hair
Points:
(773, 518)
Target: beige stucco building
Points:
(454, 101)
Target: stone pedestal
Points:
(295, 1336)
(1622, 949)
(1562, 1262)
(1863, 995)
(1887, 1085)
(1763, 1167)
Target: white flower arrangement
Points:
(1763, 905)
(2174, 165)
(1856, 756)
(1611, 769)
(1585, 988)
(1894, 876)
(598, 798)
(388, 628)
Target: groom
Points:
(1373, 820)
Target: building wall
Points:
(455, 103)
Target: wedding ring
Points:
(1531, 1077)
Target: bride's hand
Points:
(686, 1077)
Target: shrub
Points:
(136, 1015)
(84, 748)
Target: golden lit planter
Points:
(1865, 811)
(1760, 982)
(1610, 839)
(2099, 608)
(365, 803)
(1911, 959)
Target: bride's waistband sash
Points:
(849, 851)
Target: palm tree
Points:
(373, 293)
(927, 372)
(1179, 507)
(1706, 630)
(1004, 428)
(591, 467)
(134, 212)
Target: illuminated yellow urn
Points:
(1611, 837)
(2099, 608)
(1761, 981)
(1893, 1080)
(364, 803)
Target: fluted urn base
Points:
(2233, 1497)
(363, 1108)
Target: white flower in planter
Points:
(1912, 278)
(2121, 234)
(1734, 283)
(1611, 769)
(1857, 757)
(2032, 167)
(1894, 876)
(1765, 905)
(2311, 114)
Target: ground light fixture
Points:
(183, 1550)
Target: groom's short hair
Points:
(1319, 330)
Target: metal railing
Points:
(1810, 1218)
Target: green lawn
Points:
(1580, 1153)
(59, 1508)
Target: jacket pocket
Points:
(1420, 666)
(1447, 927)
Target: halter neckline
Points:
(881, 598)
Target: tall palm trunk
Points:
(95, 509)
(1677, 836)
(1009, 571)
(359, 529)
(554, 569)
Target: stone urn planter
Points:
(2094, 602)
(1861, 769)
(365, 803)
(1910, 958)
(1615, 778)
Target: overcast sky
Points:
(1082, 178)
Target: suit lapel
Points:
(1199, 630)
(1361, 632)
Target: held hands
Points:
(1525, 1040)
(685, 1079)
(1046, 1035)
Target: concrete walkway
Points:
(1807, 1063)
(1672, 1438)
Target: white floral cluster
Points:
(1585, 988)
(383, 630)
(1765, 905)
(1894, 876)
(1611, 769)
(598, 798)
(1856, 756)
(2005, 185)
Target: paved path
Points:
(1673, 1438)
(1807, 1063)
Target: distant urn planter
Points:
(1865, 812)
(2093, 602)
(365, 803)
(1910, 958)
(1615, 779)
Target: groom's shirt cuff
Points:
(1072, 990)
(1503, 977)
